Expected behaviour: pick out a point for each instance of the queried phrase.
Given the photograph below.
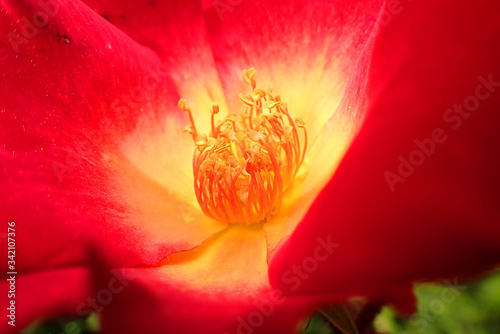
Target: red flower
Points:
(93, 154)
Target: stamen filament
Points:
(249, 159)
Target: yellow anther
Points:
(249, 75)
(299, 122)
(260, 92)
(201, 140)
(211, 143)
(267, 113)
(253, 97)
(215, 109)
(272, 104)
(188, 129)
(222, 148)
(248, 160)
(182, 104)
(246, 101)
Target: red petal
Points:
(222, 286)
(442, 218)
(175, 30)
(73, 88)
(324, 153)
(155, 307)
(309, 53)
(146, 302)
(305, 50)
(42, 295)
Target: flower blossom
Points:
(396, 100)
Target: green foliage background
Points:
(475, 310)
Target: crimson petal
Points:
(74, 87)
(147, 303)
(305, 50)
(416, 196)
(43, 295)
(176, 32)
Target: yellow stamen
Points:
(242, 169)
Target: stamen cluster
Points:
(248, 160)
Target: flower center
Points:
(248, 160)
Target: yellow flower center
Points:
(248, 160)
